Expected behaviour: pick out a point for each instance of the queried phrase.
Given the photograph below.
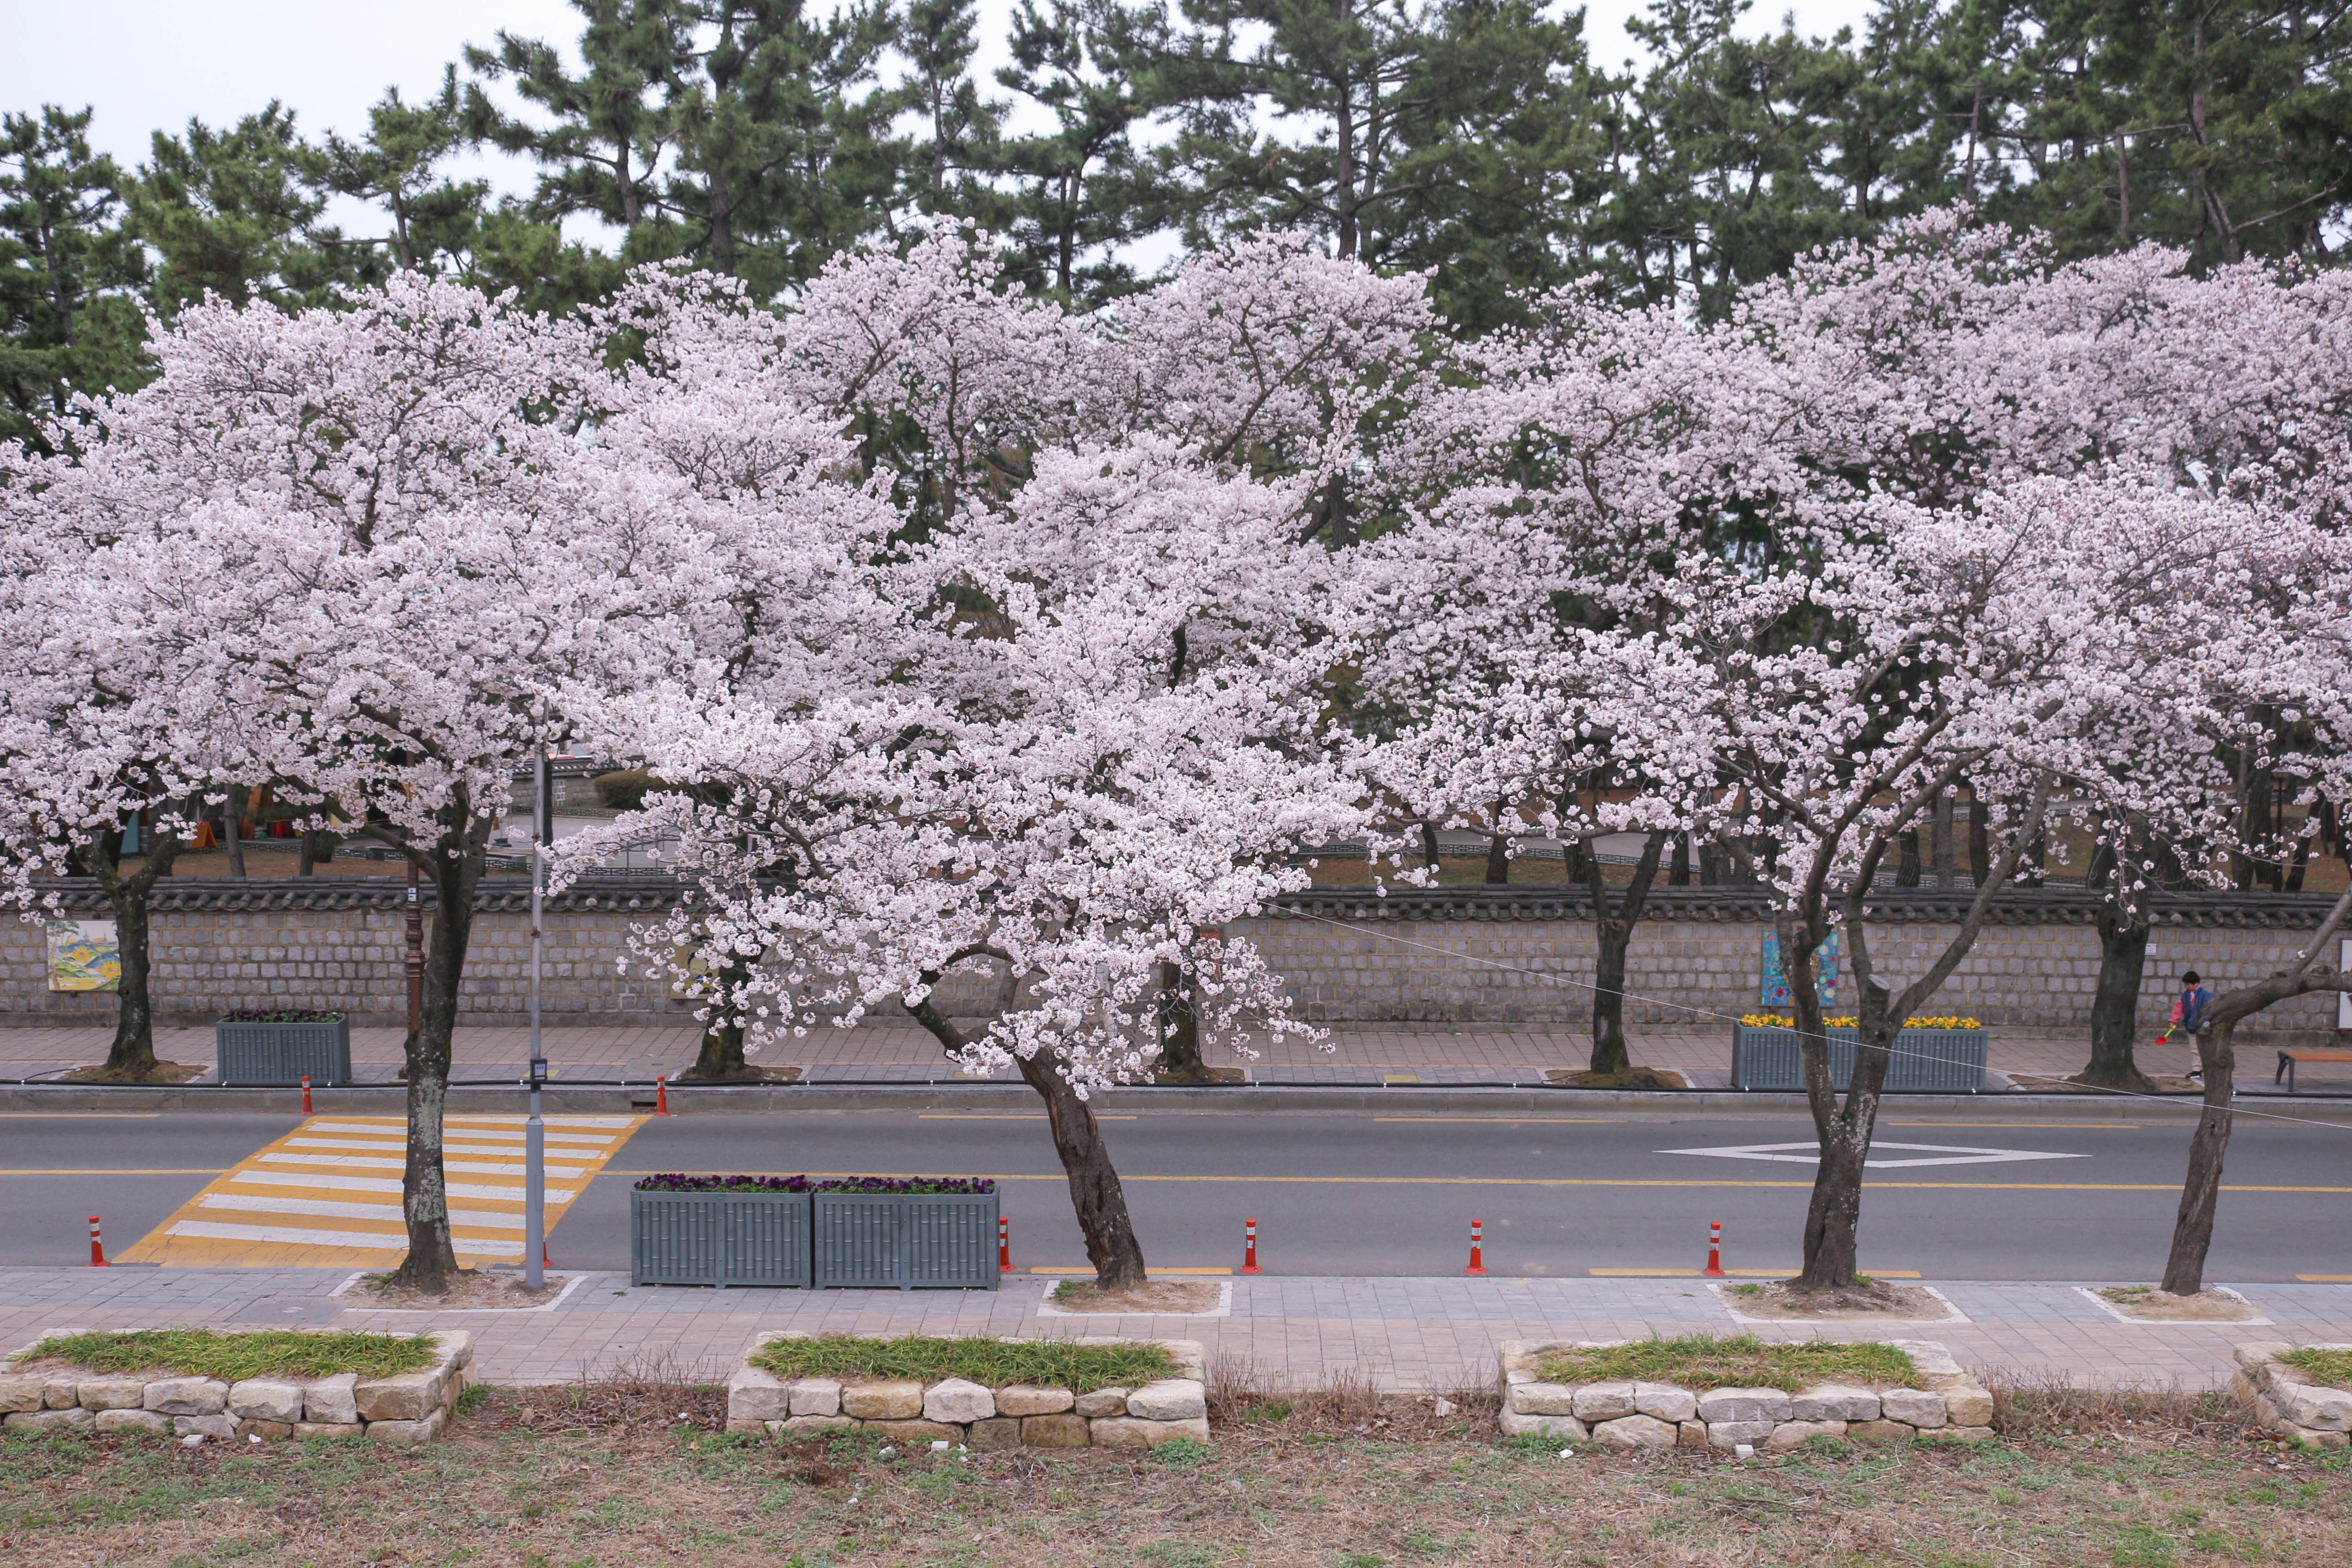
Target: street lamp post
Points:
(535, 1132)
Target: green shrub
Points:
(202, 1352)
(1053, 1363)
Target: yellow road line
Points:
(2101, 1125)
(292, 1204)
(2326, 1279)
(79, 1115)
(998, 1116)
(140, 1170)
(1499, 1121)
(1545, 1182)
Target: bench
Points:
(2288, 1059)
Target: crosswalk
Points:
(327, 1193)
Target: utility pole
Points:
(534, 1188)
(416, 954)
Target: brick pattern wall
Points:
(1477, 957)
(1494, 972)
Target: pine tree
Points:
(746, 135)
(69, 274)
(1076, 189)
(956, 148)
(1438, 133)
(397, 167)
(229, 213)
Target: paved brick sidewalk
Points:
(1361, 1054)
(1403, 1332)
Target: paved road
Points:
(1358, 1194)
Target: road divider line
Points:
(116, 1171)
(2326, 1279)
(998, 1116)
(1545, 1182)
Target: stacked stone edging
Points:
(409, 1408)
(1627, 1415)
(955, 1410)
(2285, 1400)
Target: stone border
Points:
(954, 1410)
(1721, 1291)
(410, 1408)
(1224, 1308)
(1627, 1415)
(358, 1304)
(2119, 1315)
(2285, 1401)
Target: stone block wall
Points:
(2289, 1400)
(411, 1407)
(1510, 957)
(969, 1414)
(1500, 959)
(1627, 1415)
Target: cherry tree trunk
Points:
(721, 1053)
(1094, 1190)
(432, 1261)
(1179, 1029)
(2192, 1229)
(1610, 1053)
(2114, 1005)
(132, 1054)
(1833, 1217)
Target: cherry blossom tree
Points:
(2048, 638)
(368, 547)
(1097, 737)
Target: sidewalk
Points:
(1404, 1334)
(1364, 1054)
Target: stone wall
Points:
(1470, 955)
(954, 1411)
(1526, 956)
(405, 1407)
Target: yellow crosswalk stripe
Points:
(327, 1193)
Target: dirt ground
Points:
(572, 1477)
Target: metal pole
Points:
(534, 1197)
(416, 954)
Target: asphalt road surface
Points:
(1996, 1194)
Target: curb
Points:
(1347, 1099)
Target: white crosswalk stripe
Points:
(330, 1191)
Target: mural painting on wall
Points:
(84, 955)
(1774, 992)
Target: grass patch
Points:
(1052, 1363)
(1702, 1361)
(266, 1352)
(2331, 1369)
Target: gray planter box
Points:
(906, 1241)
(1948, 1061)
(718, 1238)
(285, 1053)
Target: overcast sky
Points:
(151, 64)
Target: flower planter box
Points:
(906, 1240)
(1949, 1061)
(718, 1238)
(283, 1054)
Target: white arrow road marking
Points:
(1940, 1154)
